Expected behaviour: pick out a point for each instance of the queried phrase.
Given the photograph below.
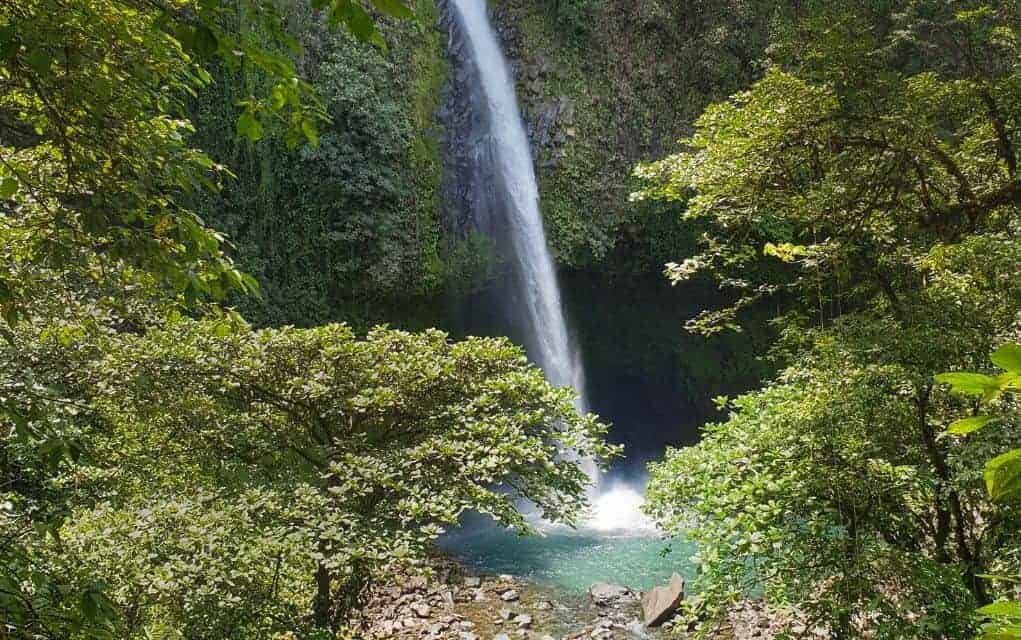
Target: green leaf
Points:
(969, 425)
(1002, 609)
(972, 384)
(362, 25)
(394, 8)
(309, 129)
(1003, 476)
(8, 187)
(249, 126)
(1008, 357)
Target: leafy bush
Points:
(247, 482)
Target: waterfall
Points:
(502, 175)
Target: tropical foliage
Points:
(167, 470)
(248, 483)
(867, 183)
(1002, 473)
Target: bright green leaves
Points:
(1004, 621)
(394, 8)
(785, 251)
(1002, 473)
(360, 448)
(988, 387)
(8, 187)
(248, 126)
(1003, 476)
(969, 425)
(972, 384)
(1008, 357)
(356, 18)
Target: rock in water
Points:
(605, 594)
(661, 602)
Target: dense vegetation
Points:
(167, 470)
(870, 180)
(183, 181)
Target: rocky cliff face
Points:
(603, 85)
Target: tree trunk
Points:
(322, 606)
(949, 512)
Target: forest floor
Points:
(455, 604)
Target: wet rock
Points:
(660, 603)
(506, 614)
(604, 594)
(509, 595)
(523, 620)
(636, 628)
(437, 629)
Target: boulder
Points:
(605, 594)
(660, 603)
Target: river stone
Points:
(523, 620)
(604, 594)
(660, 603)
(509, 596)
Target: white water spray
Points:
(504, 144)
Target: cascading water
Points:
(492, 159)
(502, 150)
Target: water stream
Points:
(501, 194)
(501, 143)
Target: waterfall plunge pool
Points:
(572, 560)
(617, 544)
